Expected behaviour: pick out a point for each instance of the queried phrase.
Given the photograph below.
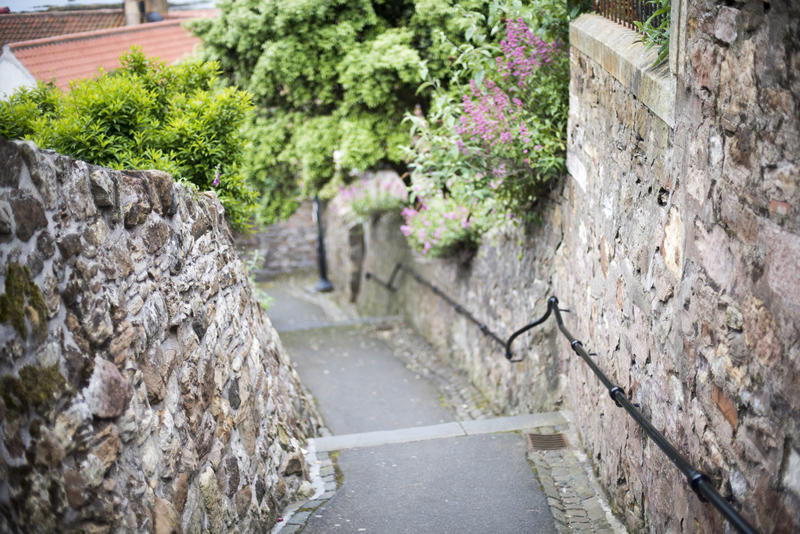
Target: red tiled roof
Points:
(16, 27)
(71, 57)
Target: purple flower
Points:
(406, 230)
(216, 180)
(499, 171)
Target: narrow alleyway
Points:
(412, 446)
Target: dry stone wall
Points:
(142, 388)
(677, 251)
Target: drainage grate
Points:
(546, 442)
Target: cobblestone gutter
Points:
(142, 387)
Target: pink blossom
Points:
(495, 185)
(407, 230)
(426, 247)
(408, 212)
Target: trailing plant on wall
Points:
(146, 115)
(495, 134)
(365, 197)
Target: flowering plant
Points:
(367, 196)
(439, 227)
(496, 136)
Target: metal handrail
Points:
(456, 306)
(698, 481)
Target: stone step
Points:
(444, 430)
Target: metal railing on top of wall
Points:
(626, 12)
(699, 482)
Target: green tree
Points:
(331, 77)
(146, 115)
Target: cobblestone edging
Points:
(327, 483)
(574, 496)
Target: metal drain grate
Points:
(546, 442)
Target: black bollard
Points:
(322, 285)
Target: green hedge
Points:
(146, 115)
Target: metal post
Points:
(322, 285)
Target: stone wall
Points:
(688, 277)
(676, 249)
(285, 247)
(143, 388)
(504, 285)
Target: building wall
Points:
(13, 75)
(142, 388)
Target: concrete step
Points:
(406, 453)
(440, 431)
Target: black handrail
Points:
(699, 482)
(456, 306)
(506, 344)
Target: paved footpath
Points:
(411, 446)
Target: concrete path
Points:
(465, 484)
(405, 462)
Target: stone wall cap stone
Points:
(620, 52)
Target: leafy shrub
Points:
(146, 115)
(331, 76)
(655, 30)
(440, 227)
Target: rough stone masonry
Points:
(142, 388)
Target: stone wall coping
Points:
(620, 51)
